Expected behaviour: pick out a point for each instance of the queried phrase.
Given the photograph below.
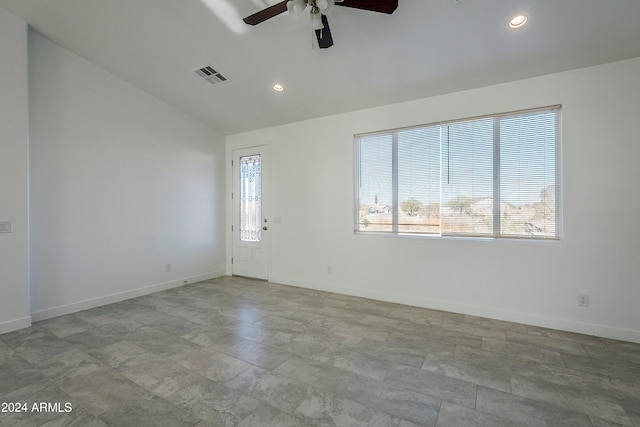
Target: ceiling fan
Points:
(319, 10)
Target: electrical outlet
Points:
(583, 300)
(167, 268)
(6, 227)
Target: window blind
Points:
(376, 183)
(494, 176)
(528, 174)
(419, 180)
(467, 181)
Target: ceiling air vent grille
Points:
(209, 74)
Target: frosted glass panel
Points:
(250, 198)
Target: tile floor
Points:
(239, 352)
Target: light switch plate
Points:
(6, 227)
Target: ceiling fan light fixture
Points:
(296, 7)
(328, 8)
(316, 21)
(518, 21)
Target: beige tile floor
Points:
(235, 351)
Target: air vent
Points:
(209, 74)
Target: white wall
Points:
(531, 282)
(14, 303)
(121, 184)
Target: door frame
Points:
(266, 183)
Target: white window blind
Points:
(376, 177)
(528, 174)
(467, 178)
(419, 180)
(493, 176)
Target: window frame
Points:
(496, 179)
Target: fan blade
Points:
(382, 6)
(267, 13)
(324, 35)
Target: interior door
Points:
(250, 229)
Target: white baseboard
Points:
(602, 331)
(15, 324)
(120, 296)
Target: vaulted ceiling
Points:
(427, 47)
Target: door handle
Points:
(264, 228)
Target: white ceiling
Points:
(427, 47)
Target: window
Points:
(250, 198)
(492, 176)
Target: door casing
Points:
(251, 259)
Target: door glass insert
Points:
(250, 198)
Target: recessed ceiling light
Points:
(278, 87)
(518, 21)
